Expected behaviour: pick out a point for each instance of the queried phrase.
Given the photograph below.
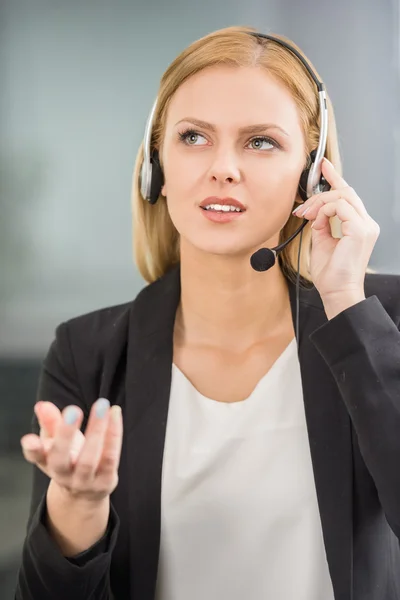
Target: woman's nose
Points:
(225, 169)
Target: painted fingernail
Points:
(301, 213)
(102, 405)
(296, 209)
(70, 415)
(115, 413)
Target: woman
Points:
(250, 468)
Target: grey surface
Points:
(78, 79)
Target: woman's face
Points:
(232, 134)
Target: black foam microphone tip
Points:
(262, 260)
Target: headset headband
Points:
(312, 185)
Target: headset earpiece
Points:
(303, 184)
(151, 178)
(156, 177)
(304, 177)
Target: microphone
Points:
(265, 258)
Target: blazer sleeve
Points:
(361, 346)
(44, 572)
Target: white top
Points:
(239, 511)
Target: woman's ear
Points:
(164, 190)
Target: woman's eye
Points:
(258, 143)
(191, 137)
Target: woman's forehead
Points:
(225, 95)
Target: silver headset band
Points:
(145, 183)
(147, 133)
(314, 177)
(315, 171)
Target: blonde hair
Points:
(155, 238)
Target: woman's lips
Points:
(228, 201)
(219, 216)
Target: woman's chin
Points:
(223, 249)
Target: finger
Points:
(32, 449)
(89, 457)
(49, 416)
(314, 203)
(77, 445)
(59, 455)
(351, 220)
(112, 444)
(36, 410)
(331, 175)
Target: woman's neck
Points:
(226, 304)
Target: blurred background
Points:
(77, 81)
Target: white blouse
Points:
(239, 511)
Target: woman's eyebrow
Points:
(248, 129)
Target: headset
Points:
(311, 179)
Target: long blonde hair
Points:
(155, 238)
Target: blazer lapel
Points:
(329, 431)
(148, 381)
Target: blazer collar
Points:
(148, 380)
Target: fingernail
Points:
(296, 209)
(115, 413)
(70, 415)
(102, 405)
(301, 213)
(328, 161)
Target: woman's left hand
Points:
(338, 265)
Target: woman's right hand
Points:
(85, 466)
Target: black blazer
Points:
(350, 369)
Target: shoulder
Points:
(89, 349)
(149, 302)
(81, 347)
(92, 335)
(87, 346)
(98, 323)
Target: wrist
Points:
(340, 301)
(75, 523)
